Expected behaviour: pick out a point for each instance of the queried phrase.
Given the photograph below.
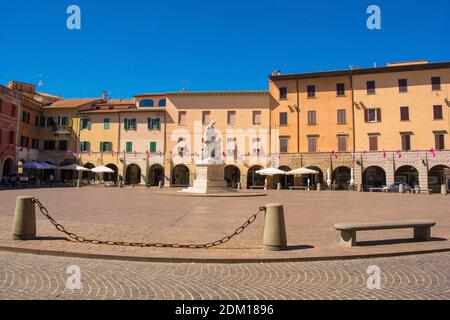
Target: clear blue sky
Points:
(142, 46)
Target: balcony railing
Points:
(61, 129)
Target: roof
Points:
(73, 103)
(403, 67)
(143, 95)
(218, 93)
(123, 110)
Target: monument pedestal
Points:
(210, 178)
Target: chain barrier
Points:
(208, 245)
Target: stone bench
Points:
(298, 188)
(426, 191)
(422, 229)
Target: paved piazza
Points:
(25, 276)
(142, 215)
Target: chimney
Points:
(104, 96)
(279, 73)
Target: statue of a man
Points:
(210, 141)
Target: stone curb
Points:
(99, 256)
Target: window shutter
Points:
(125, 124)
(366, 115)
(378, 115)
(149, 123)
(101, 145)
(158, 123)
(89, 124)
(134, 124)
(81, 123)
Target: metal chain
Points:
(80, 239)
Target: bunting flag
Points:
(384, 154)
(353, 156)
(160, 154)
(364, 153)
(334, 154)
(417, 153)
(433, 152)
(113, 153)
(148, 154)
(69, 152)
(135, 154)
(224, 154)
(90, 152)
(399, 154)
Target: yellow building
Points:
(243, 121)
(59, 132)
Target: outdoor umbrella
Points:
(270, 172)
(74, 167)
(102, 169)
(33, 165)
(301, 171)
(46, 166)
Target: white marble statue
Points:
(211, 154)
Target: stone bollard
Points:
(79, 183)
(24, 227)
(278, 186)
(239, 186)
(120, 184)
(401, 188)
(160, 184)
(444, 190)
(275, 238)
(359, 187)
(319, 187)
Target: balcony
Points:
(64, 130)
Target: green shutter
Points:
(89, 124)
(129, 146)
(158, 123)
(110, 146)
(125, 124)
(88, 146)
(101, 146)
(81, 124)
(134, 124)
(149, 123)
(153, 147)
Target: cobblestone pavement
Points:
(24, 276)
(143, 215)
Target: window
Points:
(43, 121)
(11, 137)
(162, 103)
(311, 91)
(24, 141)
(129, 147)
(154, 123)
(404, 113)
(312, 144)
(181, 146)
(64, 121)
(371, 87)
(436, 83)
(206, 117)
(403, 85)
(406, 141)
(25, 117)
(372, 115)
(106, 124)
(36, 121)
(85, 123)
(130, 124)
(340, 89)
(283, 93)
(153, 146)
(85, 146)
(35, 144)
(62, 145)
(231, 118)
(147, 103)
(437, 113)
(105, 146)
(256, 117)
(283, 118)
(342, 143)
(341, 116)
(284, 142)
(13, 110)
(312, 118)
(231, 147)
(439, 141)
(256, 144)
(49, 145)
(182, 118)
(373, 142)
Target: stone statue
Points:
(211, 145)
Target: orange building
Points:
(365, 126)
